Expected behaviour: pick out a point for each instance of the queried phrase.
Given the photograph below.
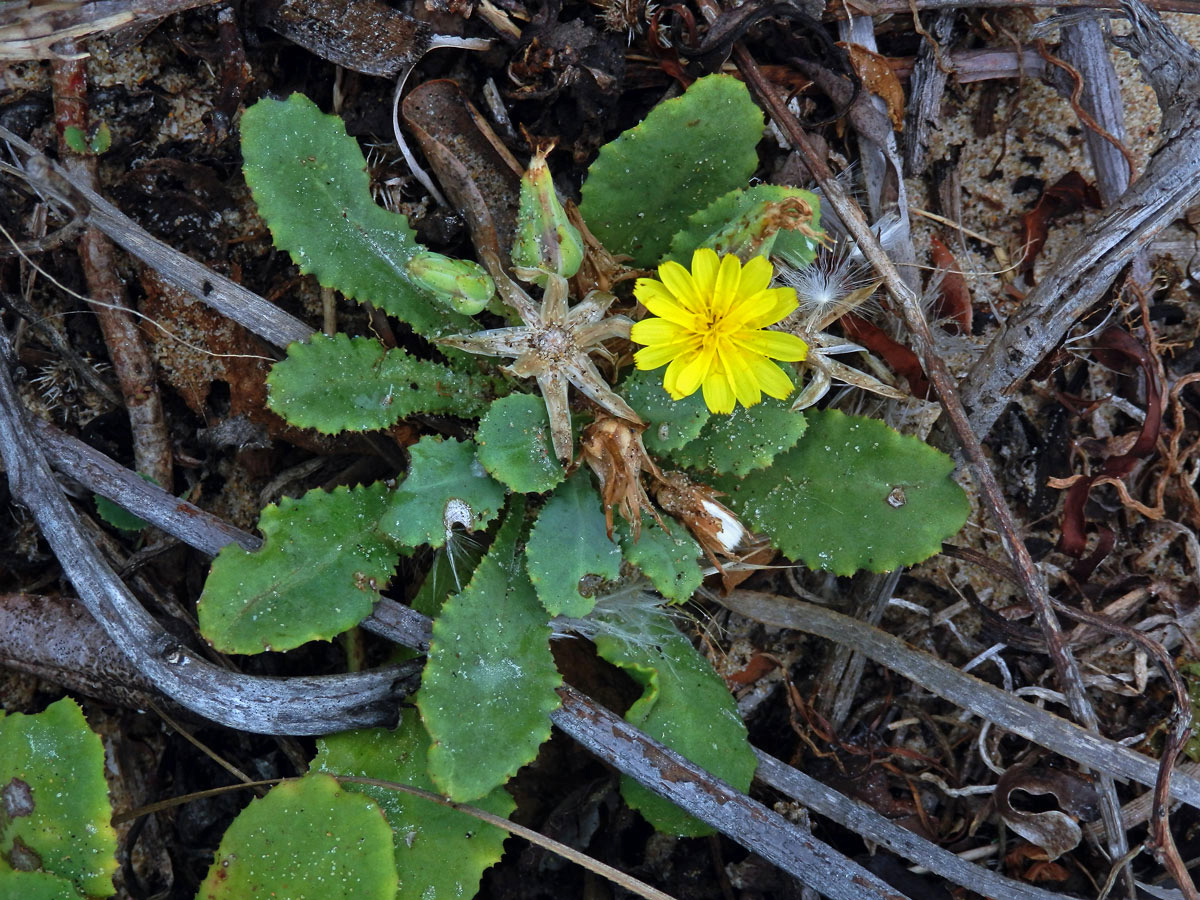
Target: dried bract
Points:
(613, 448)
(554, 346)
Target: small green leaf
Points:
(489, 686)
(439, 852)
(688, 152)
(339, 383)
(319, 572)
(684, 704)
(514, 444)
(75, 138)
(310, 182)
(749, 217)
(305, 839)
(118, 516)
(54, 807)
(672, 423)
(670, 561)
(745, 440)
(441, 472)
(795, 248)
(101, 139)
(570, 541)
(853, 494)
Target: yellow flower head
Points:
(711, 329)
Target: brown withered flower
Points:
(613, 448)
(714, 526)
(554, 346)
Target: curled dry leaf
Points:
(1069, 194)
(880, 79)
(1055, 831)
(1116, 344)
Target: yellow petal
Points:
(741, 378)
(671, 377)
(657, 331)
(694, 372)
(678, 281)
(771, 379)
(658, 355)
(718, 396)
(775, 344)
(771, 306)
(725, 291)
(705, 264)
(756, 276)
(655, 296)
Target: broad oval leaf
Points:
(570, 541)
(305, 839)
(751, 217)
(310, 182)
(684, 704)
(514, 444)
(319, 572)
(671, 561)
(749, 438)
(686, 153)
(440, 853)
(446, 485)
(671, 423)
(339, 383)
(489, 684)
(54, 806)
(36, 886)
(853, 494)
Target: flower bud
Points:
(545, 238)
(461, 284)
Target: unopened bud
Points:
(545, 239)
(461, 284)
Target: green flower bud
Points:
(460, 284)
(545, 239)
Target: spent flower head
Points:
(711, 331)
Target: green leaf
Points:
(310, 182)
(672, 423)
(54, 807)
(489, 686)
(688, 152)
(305, 839)
(341, 383)
(568, 542)
(319, 572)
(745, 440)
(441, 472)
(671, 561)
(514, 444)
(75, 138)
(684, 704)
(853, 494)
(795, 248)
(749, 217)
(118, 516)
(36, 886)
(439, 852)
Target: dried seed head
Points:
(712, 524)
(613, 448)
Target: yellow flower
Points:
(711, 329)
